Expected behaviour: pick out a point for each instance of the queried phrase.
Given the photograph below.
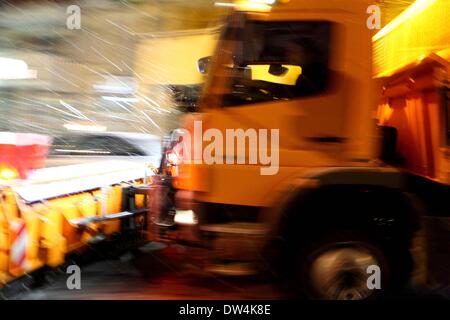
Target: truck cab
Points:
(297, 69)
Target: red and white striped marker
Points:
(18, 245)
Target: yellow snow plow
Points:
(59, 210)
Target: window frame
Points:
(218, 86)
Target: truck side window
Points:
(278, 61)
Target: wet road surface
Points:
(157, 271)
(153, 272)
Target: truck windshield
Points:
(276, 61)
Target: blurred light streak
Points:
(134, 72)
(416, 8)
(63, 112)
(74, 110)
(131, 33)
(15, 69)
(245, 6)
(63, 79)
(83, 127)
(112, 63)
(119, 99)
(150, 119)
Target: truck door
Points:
(289, 73)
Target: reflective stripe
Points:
(18, 244)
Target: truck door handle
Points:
(326, 139)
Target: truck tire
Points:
(349, 265)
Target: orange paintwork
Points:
(415, 56)
(415, 34)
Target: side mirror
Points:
(203, 64)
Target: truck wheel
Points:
(339, 268)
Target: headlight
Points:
(173, 158)
(185, 217)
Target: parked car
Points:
(91, 147)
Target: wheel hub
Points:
(340, 273)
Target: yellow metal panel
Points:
(175, 61)
(33, 225)
(114, 205)
(9, 205)
(4, 248)
(49, 234)
(86, 204)
(66, 207)
(418, 32)
(53, 239)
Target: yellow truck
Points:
(286, 169)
